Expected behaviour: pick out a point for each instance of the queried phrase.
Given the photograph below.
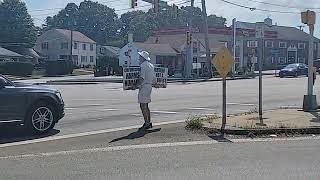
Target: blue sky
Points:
(217, 7)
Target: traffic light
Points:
(156, 6)
(189, 38)
(134, 3)
(175, 11)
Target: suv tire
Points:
(41, 118)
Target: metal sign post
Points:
(260, 35)
(223, 62)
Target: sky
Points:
(218, 7)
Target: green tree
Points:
(17, 27)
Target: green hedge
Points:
(60, 67)
(16, 68)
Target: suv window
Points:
(4, 81)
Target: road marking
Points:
(241, 104)
(199, 108)
(164, 112)
(52, 138)
(146, 146)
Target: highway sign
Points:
(223, 62)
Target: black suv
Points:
(38, 108)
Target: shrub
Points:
(60, 67)
(194, 123)
(16, 68)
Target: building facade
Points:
(55, 44)
(279, 46)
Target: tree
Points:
(95, 20)
(17, 27)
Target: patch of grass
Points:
(194, 123)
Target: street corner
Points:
(161, 133)
(283, 122)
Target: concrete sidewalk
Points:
(274, 119)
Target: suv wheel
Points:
(41, 118)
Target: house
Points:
(160, 54)
(29, 54)
(55, 44)
(176, 38)
(7, 55)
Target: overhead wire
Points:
(283, 6)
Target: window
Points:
(84, 59)
(45, 45)
(271, 59)
(84, 47)
(282, 60)
(102, 50)
(195, 47)
(252, 43)
(91, 59)
(301, 45)
(282, 44)
(75, 45)
(64, 45)
(91, 47)
(302, 60)
(269, 44)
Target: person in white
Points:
(145, 87)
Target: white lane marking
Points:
(52, 138)
(146, 146)
(241, 104)
(69, 108)
(199, 108)
(108, 149)
(164, 112)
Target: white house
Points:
(55, 44)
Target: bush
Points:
(60, 67)
(16, 68)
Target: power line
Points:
(281, 5)
(258, 9)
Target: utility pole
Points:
(310, 100)
(206, 37)
(189, 52)
(71, 44)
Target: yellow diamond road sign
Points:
(223, 62)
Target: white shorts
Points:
(144, 95)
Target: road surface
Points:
(104, 106)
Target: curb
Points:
(311, 130)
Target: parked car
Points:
(37, 108)
(294, 70)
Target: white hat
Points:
(145, 55)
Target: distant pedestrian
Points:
(145, 87)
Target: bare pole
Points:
(206, 36)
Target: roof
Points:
(158, 49)
(7, 53)
(284, 32)
(26, 52)
(76, 36)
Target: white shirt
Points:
(147, 72)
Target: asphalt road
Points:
(104, 106)
(295, 159)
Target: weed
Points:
(194, 123)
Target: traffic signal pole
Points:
(189, 52)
